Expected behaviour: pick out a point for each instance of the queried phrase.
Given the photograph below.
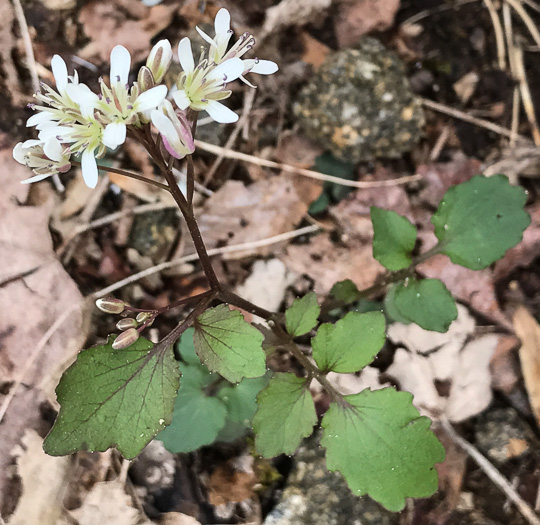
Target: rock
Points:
(501, 435)
(359, 104)
(314, 496)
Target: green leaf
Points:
(479, 220)
(394, 238)
(390, 307)
(186, 348)
(286, 414)
(426, 302)
(351, 343)
(114, 398)
(241, 404)
(302, 316)
(382, 446)
(345, 291)
(197, 418)
(227, 344)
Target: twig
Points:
(439, 9)
(248, 103)
(507, 19)
(499, 35)
(25, 34)
(217, 150)
(492, 473)
(247, 246)
(527, 20)
(461, 115)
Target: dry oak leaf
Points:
(237, 214)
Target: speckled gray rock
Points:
(501, 434)
(314, 496)
(359, 104)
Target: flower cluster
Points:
(73, 120)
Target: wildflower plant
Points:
(129, 390)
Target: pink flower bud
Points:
(125, 339)
(111, 305)
(126, 323)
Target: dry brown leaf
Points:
(528, 330)
(297, 150)
(238, 214)
(466, 86)
(228, 484)
(505, 373)
(315, 52)
(177, 518)
(107, 503)
(293, 13)
(327, 263)
(356, 18)
(75, 198)
(44, 480)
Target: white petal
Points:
(120, 65)
(54, 131)
(84, 96)
(222, 22)
(181, 99)
(89, 168)
(36, 178)
(30, 143)
(53, 149)
(230, 70)
(60, 73)
(18, 153)
(164, 125)
(220, 112)
(151, 98)
(185, 55)
(39, 118)
(264, 67)
(206, 37)
(114, 134)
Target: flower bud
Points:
(143, 316)
(159, 60)
(126, 323)
(145, 79)
(125, 339)
(111, 305)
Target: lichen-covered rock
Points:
(359, 104)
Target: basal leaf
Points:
(382, 446)
(394, 238)
(286, 414)
(479, 220)
(114, 398)
(186, 348)
(197, 417)
(345, 291)
(240, 402)
(426, 302)
(227, 344)
(351, 343)
(302, 316)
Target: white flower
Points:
(45, 158)
(200, 88)
(218, 47)
(159, 60)
(121, 105)
(174, 129)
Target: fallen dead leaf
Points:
(229, 484)
(177, 518)
(315, 52)
(44, 480)
(238, 214)
(106, 503)
(297, 150)
(347, 384)
(293, 13)
(505, 373)
(356, 18)
(327, 263)
(76, 197)
(466, 86)
(528, 330)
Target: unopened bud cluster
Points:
(73, 120)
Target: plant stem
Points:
(227, 296)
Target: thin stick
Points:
(25, 33)
(247, 246)
(507, 19)
(439, 9)
(461, 115)
(527, 20)
(248, 103)
(492, 473)
(229, 154)
(499, 35)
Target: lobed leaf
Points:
(351, 343)
(227, 344)
(426, 302)
(394, 238)
(479, 220)
(286, 414)
(302, 316)
(382, 446)
(114, 398)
